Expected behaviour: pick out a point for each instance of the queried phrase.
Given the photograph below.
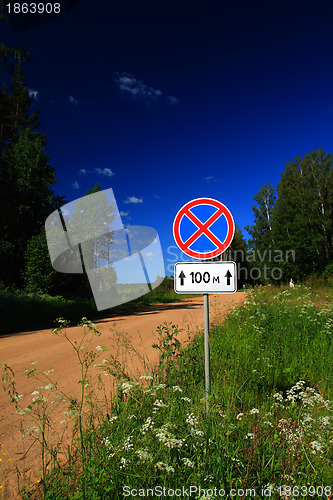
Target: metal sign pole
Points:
(207, 357)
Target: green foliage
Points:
(328, 273)
(303, 214)
(39, 275)
(300, 222)
(169, 347)
(94, 189)
(261, 230)
(237, 252)
(16, 103)
(26, 177)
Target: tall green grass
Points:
(269, 431)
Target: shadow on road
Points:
(119, 316)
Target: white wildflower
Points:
(127, 387)
(159, 386)
(144, 455)
(238, 462)
(124, 461)
(177, 388)
(107, 443)
(325, 421)
(191, 419)
(188, 462)
(166, 437)
(128, 445)
(23, 411)
(17, 397)
(49, 386)
(196, 432)
(316, 446)
(147, 425)
(164, 467)
(47, 372)
(278, 397)
(159, 404)
(186, 399)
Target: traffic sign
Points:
(205, 277)
(193, 228)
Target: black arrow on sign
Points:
(182, 277)
(228, 276)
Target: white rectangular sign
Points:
(205, 277)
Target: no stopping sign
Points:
(203, 228)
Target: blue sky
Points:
(165, 101)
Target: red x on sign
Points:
(203, 228)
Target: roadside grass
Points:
(269, 432)
(38, 311)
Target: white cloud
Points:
(173, 100)
(134, 88)
(100, 171)
(133, 199)
(75, 185)
(123, 214)
(73, 100)
(106, 171)
(34, 93)
(210, 178)
(131, 86)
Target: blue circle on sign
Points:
(188, 228)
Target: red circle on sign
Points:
(203, 228)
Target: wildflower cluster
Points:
(192, 421)
(154, 441)
(314, 424)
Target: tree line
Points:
(26, 187)
(295, 220)
(294, 224)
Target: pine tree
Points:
(26, 177)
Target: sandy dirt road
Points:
(50, 351)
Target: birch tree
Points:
(303, 214)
